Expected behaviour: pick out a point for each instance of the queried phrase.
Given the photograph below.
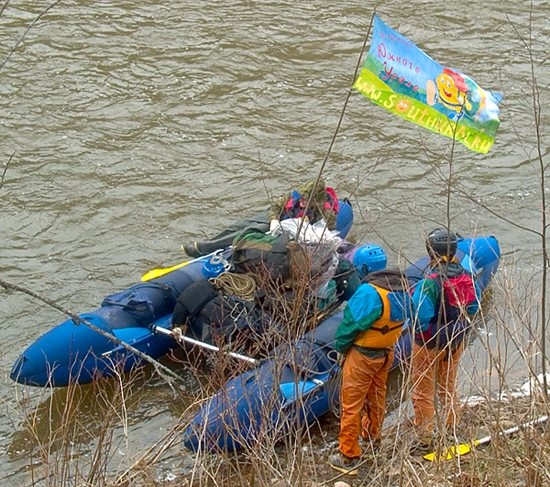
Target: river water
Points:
(128, 128)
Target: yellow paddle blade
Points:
(451, 452)
(161, 271)
(463, 448)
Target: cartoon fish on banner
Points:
(400, 77)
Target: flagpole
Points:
(341, 114)
(347, 97)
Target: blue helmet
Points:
(369, 258)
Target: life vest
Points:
(450, 324)
(295, 207)
(386, 330)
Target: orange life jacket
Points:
(384, 332)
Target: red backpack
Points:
(459, 291)
(449, 326)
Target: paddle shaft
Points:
(511, 431)
(464, 448)
(161, 271)
(205, 345)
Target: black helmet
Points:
(441, 243)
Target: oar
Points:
(464, 448)
(161, 271)
(183, 338)
(154, 273)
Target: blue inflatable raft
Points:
(73, 352)
(299, 382)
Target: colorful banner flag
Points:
(400, 77)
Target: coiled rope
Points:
(241, 285)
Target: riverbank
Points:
(507, 460)
(86, 435)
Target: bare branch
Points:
(27, 30)
(495, 213)
(163, 371)
(5, 170)
(4, 7)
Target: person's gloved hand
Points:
(275, 227)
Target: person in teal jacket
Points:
(372, 323)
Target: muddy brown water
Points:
(138, 126)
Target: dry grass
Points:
(76, 439)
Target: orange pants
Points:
(431, 369)
(362, 399)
